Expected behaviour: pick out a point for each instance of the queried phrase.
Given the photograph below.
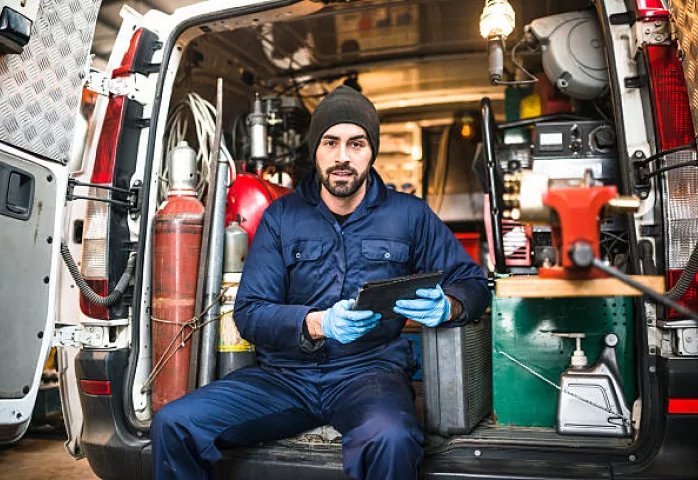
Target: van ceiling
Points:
(403, 53)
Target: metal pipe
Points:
(257, 125)
(214, 274)
(488, 139)
(332, 70)
(549, 117)
(495, 58)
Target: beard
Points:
(346, 186)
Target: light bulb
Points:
(497, 19)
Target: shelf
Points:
(535, 287)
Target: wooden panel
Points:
(536, 287)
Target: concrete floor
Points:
(42, 457)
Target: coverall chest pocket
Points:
(386, 258)
(303, 262)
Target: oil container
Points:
(591, 401)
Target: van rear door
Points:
(40, 93)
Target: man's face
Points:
(343, 159)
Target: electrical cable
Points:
(659, 171)
(687, 276)
(657, 297)
(233, 135)
(203, 114)
(531, 78)
(92, 296)
(661, 154)
(601, 113)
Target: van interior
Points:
(425, 66)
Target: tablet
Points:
(380, 295)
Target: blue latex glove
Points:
(431, 309)
(344, 324)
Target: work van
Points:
(511, 119)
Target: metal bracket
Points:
(641, 172)
(687, 341)
(625, 18)
(68, 336)
(142, 123)
(98, 82)
(650, 230)
(133, 195)
(632, 82)
(152, 67)
(135, 198)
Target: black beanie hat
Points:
(344, 105)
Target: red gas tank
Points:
(248, 197)
(177, 231)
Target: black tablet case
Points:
(380, 295)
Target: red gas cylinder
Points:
(248, 197)
(178, 227)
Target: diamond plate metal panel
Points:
(40, 89)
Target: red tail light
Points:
(682, 405)
(674, 128)
(130, 56)
(651, 9)
(95, 255)
(96, 387)
(672, 112)
(100, 287)
(103, 171)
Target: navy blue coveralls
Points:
(301, 260)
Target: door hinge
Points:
(130, 86)
(97, 82)
(79, 336)
(68, 336)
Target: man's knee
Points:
(398, 437)
(390, 432)
(168, 421)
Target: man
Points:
(321, 362)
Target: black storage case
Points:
(457, 365)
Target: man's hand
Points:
(431, 309)
(341, 323)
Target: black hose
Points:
(688, 275)
(90, 294)
(489, 132)
(657, 297)
(659, 171)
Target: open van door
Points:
(40, 92)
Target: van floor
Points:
(489, 431)
(486, 432)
